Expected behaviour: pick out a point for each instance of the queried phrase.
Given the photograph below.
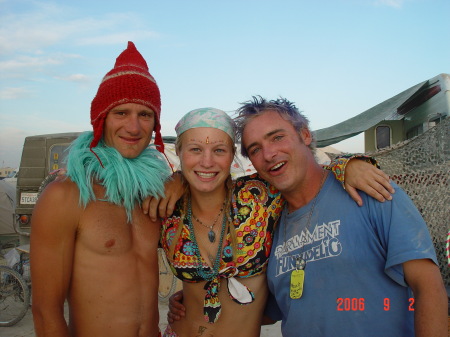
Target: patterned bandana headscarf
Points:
(206, 118)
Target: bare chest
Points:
(104, 229)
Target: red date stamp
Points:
(350, 304)
(387, 304)
(358, 304)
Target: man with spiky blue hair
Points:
(335, 268)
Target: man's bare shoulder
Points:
(62, 188)
(59, 199)
(56, 214)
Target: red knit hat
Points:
(128, 82)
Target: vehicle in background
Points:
(400, 118)
(40, 156)
(12, 177)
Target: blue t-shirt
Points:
(354, 283)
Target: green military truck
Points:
(41, 155)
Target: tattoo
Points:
(202, 332)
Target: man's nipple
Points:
(110, 243)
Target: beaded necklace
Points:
(214, 271)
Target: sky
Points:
(333, 58)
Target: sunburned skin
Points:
(96, 248)
(104, 248)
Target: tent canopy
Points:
(386, 110)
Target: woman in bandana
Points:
(218, 240)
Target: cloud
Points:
(118, 38)
(33, 39)
(390, 3)
(14, 93)
(29, 31)
(77, 78)
(23, 65)
(47, 25)
(25, 62)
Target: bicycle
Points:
(15, 295)
(167, 280)
(15, 289)
(7, 243)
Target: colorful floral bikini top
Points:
(255, 209)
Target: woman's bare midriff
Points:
(235, 320)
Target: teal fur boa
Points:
(126, 181)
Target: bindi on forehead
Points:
(207, 141)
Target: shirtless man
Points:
(89, 243)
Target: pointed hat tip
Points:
(131, 56)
